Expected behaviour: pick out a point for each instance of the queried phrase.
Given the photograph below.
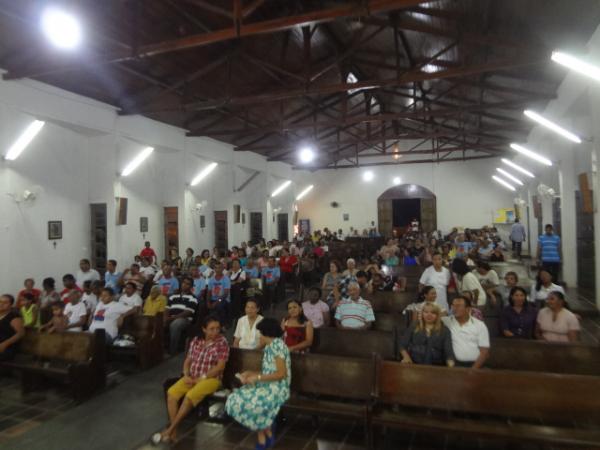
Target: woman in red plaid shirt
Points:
(202, 371)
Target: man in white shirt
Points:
(109, 315)
(89, 298)
(470, 336)
(437, 276)
(75, 311)
(147, 269)
(131, 298)
(85, 273)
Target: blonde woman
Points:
(427, 341)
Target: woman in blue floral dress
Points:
(256, 404)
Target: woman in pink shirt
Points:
(555, 323)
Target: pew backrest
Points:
(239, 361)
(526, 395)
(141, 327)
(539, 356)
(70, 347)
(354, 343)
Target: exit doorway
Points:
(399, 205)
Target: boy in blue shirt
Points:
(270, 276)
(218, 293)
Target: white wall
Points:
(74, 161)
(466, 195)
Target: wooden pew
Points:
(354, 343)
(512, 406)
(389, 301)
(148, 333)
(322, 385)
(539, 356)
(75, 359)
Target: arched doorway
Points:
(397, 206)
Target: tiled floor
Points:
(20, 413)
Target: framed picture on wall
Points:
(202, 221)
(55, 229)
(346, 217)
(121, 210)
(143, 224)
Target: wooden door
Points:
(256, 227)
(171, 230)
(586, 261)
(221, 241)
(282, 227)
(385, 216)
(428, 215)
(98, 236)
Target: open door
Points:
(98, 236)
(282, 227)
(221, 241)
(171, 230)
(256, 227)
(385, 216)
(428, 215)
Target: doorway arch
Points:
(398, 203)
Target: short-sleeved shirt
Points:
(168, 286)
(248, 336)
(251, 272)
(557, 330)
(111, 280)
(199, 285)
(271, 275)
(468, 338)
(490, 278)
(286, 263)
(179, 303)
(549, 245)
(131, 302)
(106, 317)
(439, 280)
(148, 252)
(81, 277)
(204, 355)
(74, 313)
(315, 312)
(217, 287)
(154, 306)
(542, 294)
(354, 314)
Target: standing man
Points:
(85, 273)
(148, 252)
(517, 236)
(549, 253)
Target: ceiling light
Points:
(304, 192)
(508, 162)
(24, 140)
(552, 126)
(306, 155)
(577, 65)
(208, 169)
(397, 181)
(137, 161)
(503, 183)
(531, 154)
(61, 28)
(368, 176)
(509, 176)
(281, 188)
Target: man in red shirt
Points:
(287, 264)
(148, 252)
(69, 284)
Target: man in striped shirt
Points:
(354, 312)
(549, 253)
(181, 310)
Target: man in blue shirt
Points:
(112, 277)
(517, 236)
(270, 276)
(168, 283)
(219, 286)
(549, 252)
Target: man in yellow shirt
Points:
(155, 303)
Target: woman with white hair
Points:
(351, 269)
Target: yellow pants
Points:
(195, 393)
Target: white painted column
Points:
(568, 186)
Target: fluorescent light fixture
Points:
(530, 154)
(368, 176)
(62, 29)
(306, 155)
(304, 192)
(508, 162)
(552, 126)
(208, 169)
(137, 161)
(397, 181)
(24, 140)
(281, 188)
(504, 183)
(509, 176)
(576, 64)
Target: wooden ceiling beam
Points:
(410, 77)
(386, 163)
(211, 8)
